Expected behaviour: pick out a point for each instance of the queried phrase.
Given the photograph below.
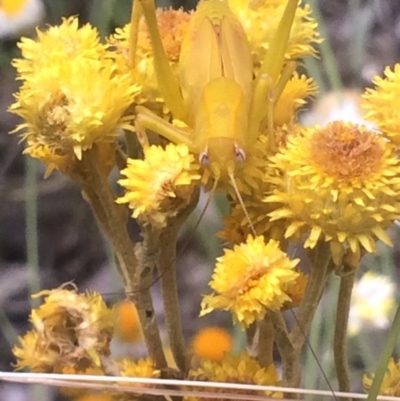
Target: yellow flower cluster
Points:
(140, 368)
(338, 184)
(71, 96)
(382, 106)
(161, 185)
(240, 369)
(250, 280)
(260, 20)
(69, 329)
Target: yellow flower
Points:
(71, 98)
(382, 105)
(293, 97)
(127, 326)
(161, 185)
(212, 343)
(70, 329)
(140, 368)
(339, 184)
(372, 302)
(250, 280)
(173, 26)
(390, 385)
(66, 42)
(240, 369)
(17, 16)
(32, 353)
(260, 20)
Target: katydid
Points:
(217, 97)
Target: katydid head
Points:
(221, 155)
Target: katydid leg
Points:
(166, 80)
(147, 120)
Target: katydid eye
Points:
(240, 155)
(204, 160)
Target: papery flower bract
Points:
(339, 184)
(71, 106)
(212, 343)
(144, 368)
(70, 329)
(140, 368)
(372, 302)
(293, 98)
(239, 369)
(60, 44)
(382, 104)
(390, 385)
(250, 280)
(159, 186)
(71, 97)
(260, 20)
(17, 16)
(295, 290)
(32, 353)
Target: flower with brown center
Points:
(339, 184)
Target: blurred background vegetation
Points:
(48, 235)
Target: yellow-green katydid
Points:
(218, 97)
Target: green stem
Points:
(266, 341)
(281, 333)
(286, 350)
(167, 271)
(112, 216)
(385, 357)
(141, 296)
(137, 278)
(340, 339)
(312, 295)
(31, 229)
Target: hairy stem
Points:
(167, 271)
(143, 300)
(137, 277)
(340, 341)
(112, 217)
(266, 341)
(282, 339)
(312, 295)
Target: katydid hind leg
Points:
(147, 120)
(167, 83)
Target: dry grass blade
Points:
(140, 385)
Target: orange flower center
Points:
(346, 151)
